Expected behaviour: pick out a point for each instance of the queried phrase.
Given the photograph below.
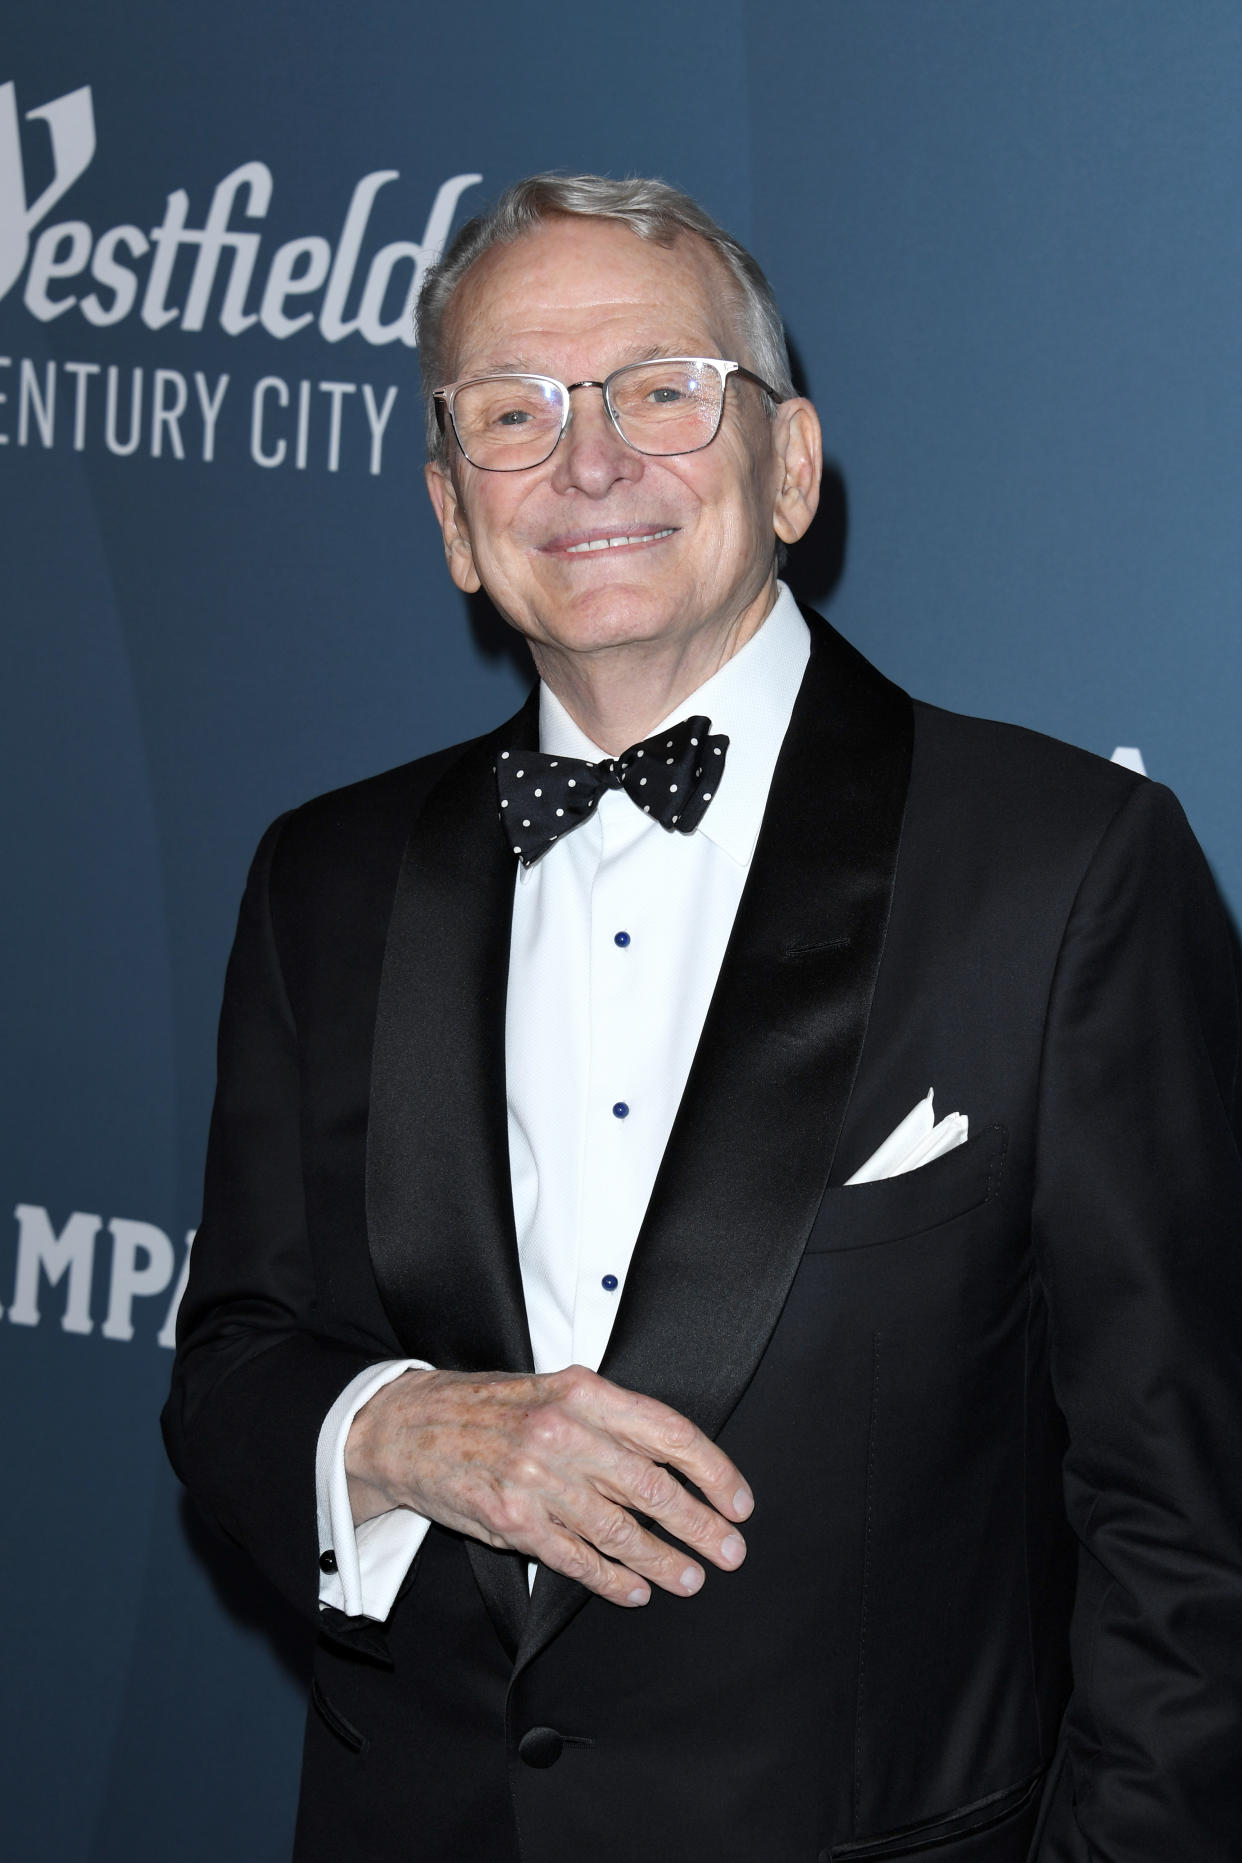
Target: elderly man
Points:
(720, 1453)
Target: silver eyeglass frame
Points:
(446, 396)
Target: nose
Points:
(592, 457)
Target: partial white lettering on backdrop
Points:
(54, 1273)
(171, 414)
(1130, 757)
(313, 286)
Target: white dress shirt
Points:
(618, 935)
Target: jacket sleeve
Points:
(1138, 1231)
(258, 1364)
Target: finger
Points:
(654, 1491)
(664, 1435)
(623, 1541)
(590, 1538)
(589, 1406)
(566, 1553)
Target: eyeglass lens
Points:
(506, 422)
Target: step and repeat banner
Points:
(1008, 243)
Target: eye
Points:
(505, 408)
(508, 420)
(656, 391)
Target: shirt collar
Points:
(749, 700)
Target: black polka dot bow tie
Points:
(672, 777)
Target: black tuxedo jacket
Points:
(992, 1606)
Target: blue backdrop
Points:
(1008, 244)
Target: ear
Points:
(447, 505)
(799, 449)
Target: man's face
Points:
(575, 299)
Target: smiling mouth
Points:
(624, 540)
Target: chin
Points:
(614, 616)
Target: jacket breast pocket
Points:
(864, 1215)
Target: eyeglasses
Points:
(509, 422)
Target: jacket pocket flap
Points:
(332, 1718)
(861, 1215)
(983, 1814)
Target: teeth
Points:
(613, 543)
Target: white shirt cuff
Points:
(370, 1560)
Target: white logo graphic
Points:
(67, 256)
(1130, 757)
(71, 123)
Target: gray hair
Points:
(651, 209)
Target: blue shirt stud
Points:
(620, 1110)
(621, 938)
(609, 1283)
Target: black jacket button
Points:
(327, 1561)
(540, 1746)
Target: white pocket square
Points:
(917, 1140)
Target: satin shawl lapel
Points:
(439, 1201)
(750, 1152)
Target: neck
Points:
(618, 695)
